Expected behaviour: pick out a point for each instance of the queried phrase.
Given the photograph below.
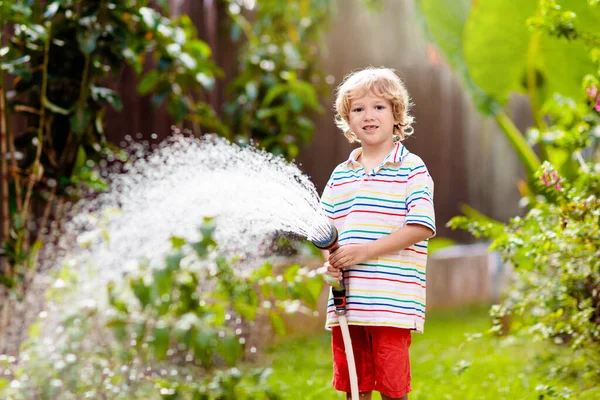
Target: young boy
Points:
(381, 202)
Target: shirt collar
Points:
(395, 156)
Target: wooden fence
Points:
(467, 156)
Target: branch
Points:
(37, 168)
(530, 160)
(5, 211)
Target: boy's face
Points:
(372, 120)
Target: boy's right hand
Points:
(333, 272)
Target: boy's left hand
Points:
(348, 255)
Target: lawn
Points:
(445, 364)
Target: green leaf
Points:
(160, 345)
(108, 96)
(150, 17)
(177, 242)
(273, 93)
(263, 113)
(277, 323)
(443, 22)
(164, 4)
(206, 81)
(7, 281)
(295, 102)
(119, 328)
(133, 59)
(500, 49)
(200, 47)
(439, 243)
(177, 107)
(246, 311)
(163, 281)
(141, 291)
(207, 229)
(264, 271)
(306, 92)
(52, 9)
(148, 82)
(18, 8)
(291, 272)
(314, 287)
(80, 121)
(279, 290)
(204, 345)
(230, 350)
(37, 32)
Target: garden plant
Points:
(58, 61)
(174, 332)
(550, 52)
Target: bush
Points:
(555, 249)
(171, 332)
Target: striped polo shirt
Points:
(367, 205)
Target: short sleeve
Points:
(327, 198)
(419, 197)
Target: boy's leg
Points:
(362, 396)
(363, 359)
(384, 397)
(391, 361)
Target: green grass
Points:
(445, 365)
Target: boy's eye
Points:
(358, 109)
(379, 107)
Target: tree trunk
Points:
(4, 209)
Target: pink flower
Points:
(597, 108)
(592, 91)
(551, 179)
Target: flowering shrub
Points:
(555, 250)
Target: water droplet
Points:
(56, 383)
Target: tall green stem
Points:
(538, 118)
(530, 160)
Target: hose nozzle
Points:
(330, 242)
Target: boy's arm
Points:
(398, 240)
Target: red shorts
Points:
(381, 358)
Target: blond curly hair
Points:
(381, 82)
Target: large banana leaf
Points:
(501, 50)
(444, 22)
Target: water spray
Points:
(328, 240)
